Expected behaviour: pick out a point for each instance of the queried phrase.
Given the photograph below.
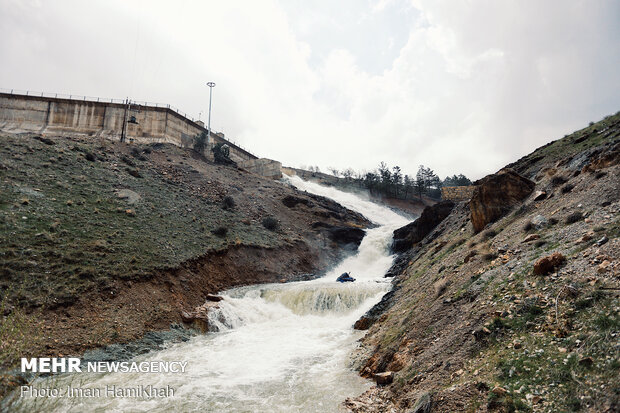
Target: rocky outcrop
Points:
(291, 201)
(344, 236)
(407, 236)
(495, 195)
(549, 264)
(376, 311)
(198, 318)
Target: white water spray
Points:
(278, 347)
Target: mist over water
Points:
(277, 348)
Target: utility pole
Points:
(211, 86)
(132, 119)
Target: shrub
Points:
(574, 217)
(558, 180)
(271, 223)
(553, 221)
(228, 202)
(220, 231)
(90, 157)
(134, 172)
(599, 175)
(567, 188)
(200, 142)
(540, 243)
(490, 234)
(528, 226)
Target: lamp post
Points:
(211, 86)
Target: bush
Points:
(574, 217)
(567, 188)
(220, 231)
(553, 221)
(490, 234)
(228, 203)
(558, 180)
(200, 142)
(271, 223)
(528, 226)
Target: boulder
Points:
(198, 318)
(410, 234)
(539, 221)
(531, 237)
(128, 195)
(540, 195)
(495, 195)
(549, 263)
(291, 201)
(383, 379)
(346, 235)
(363, 323)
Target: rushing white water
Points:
(278, 348)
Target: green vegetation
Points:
(200, 142)
(64, 228)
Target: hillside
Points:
(104, 241)
(522, 315)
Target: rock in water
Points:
(495, 195)
(412, 233)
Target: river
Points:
(279, 348)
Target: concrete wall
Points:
(264, 167)
(457, 193)
(56, 116)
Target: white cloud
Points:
(459, 86)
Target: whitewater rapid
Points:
(277, 348)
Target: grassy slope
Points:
(78, 232)
(426, 336)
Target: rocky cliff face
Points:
(511, 302)
(495, 195)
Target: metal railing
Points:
(109, 100)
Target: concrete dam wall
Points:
(56, 116)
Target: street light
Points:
(211, 86)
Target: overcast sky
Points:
(460, 86)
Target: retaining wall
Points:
(457, 193)
(55, 116)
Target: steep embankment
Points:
(490, 320)
(103, 241)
